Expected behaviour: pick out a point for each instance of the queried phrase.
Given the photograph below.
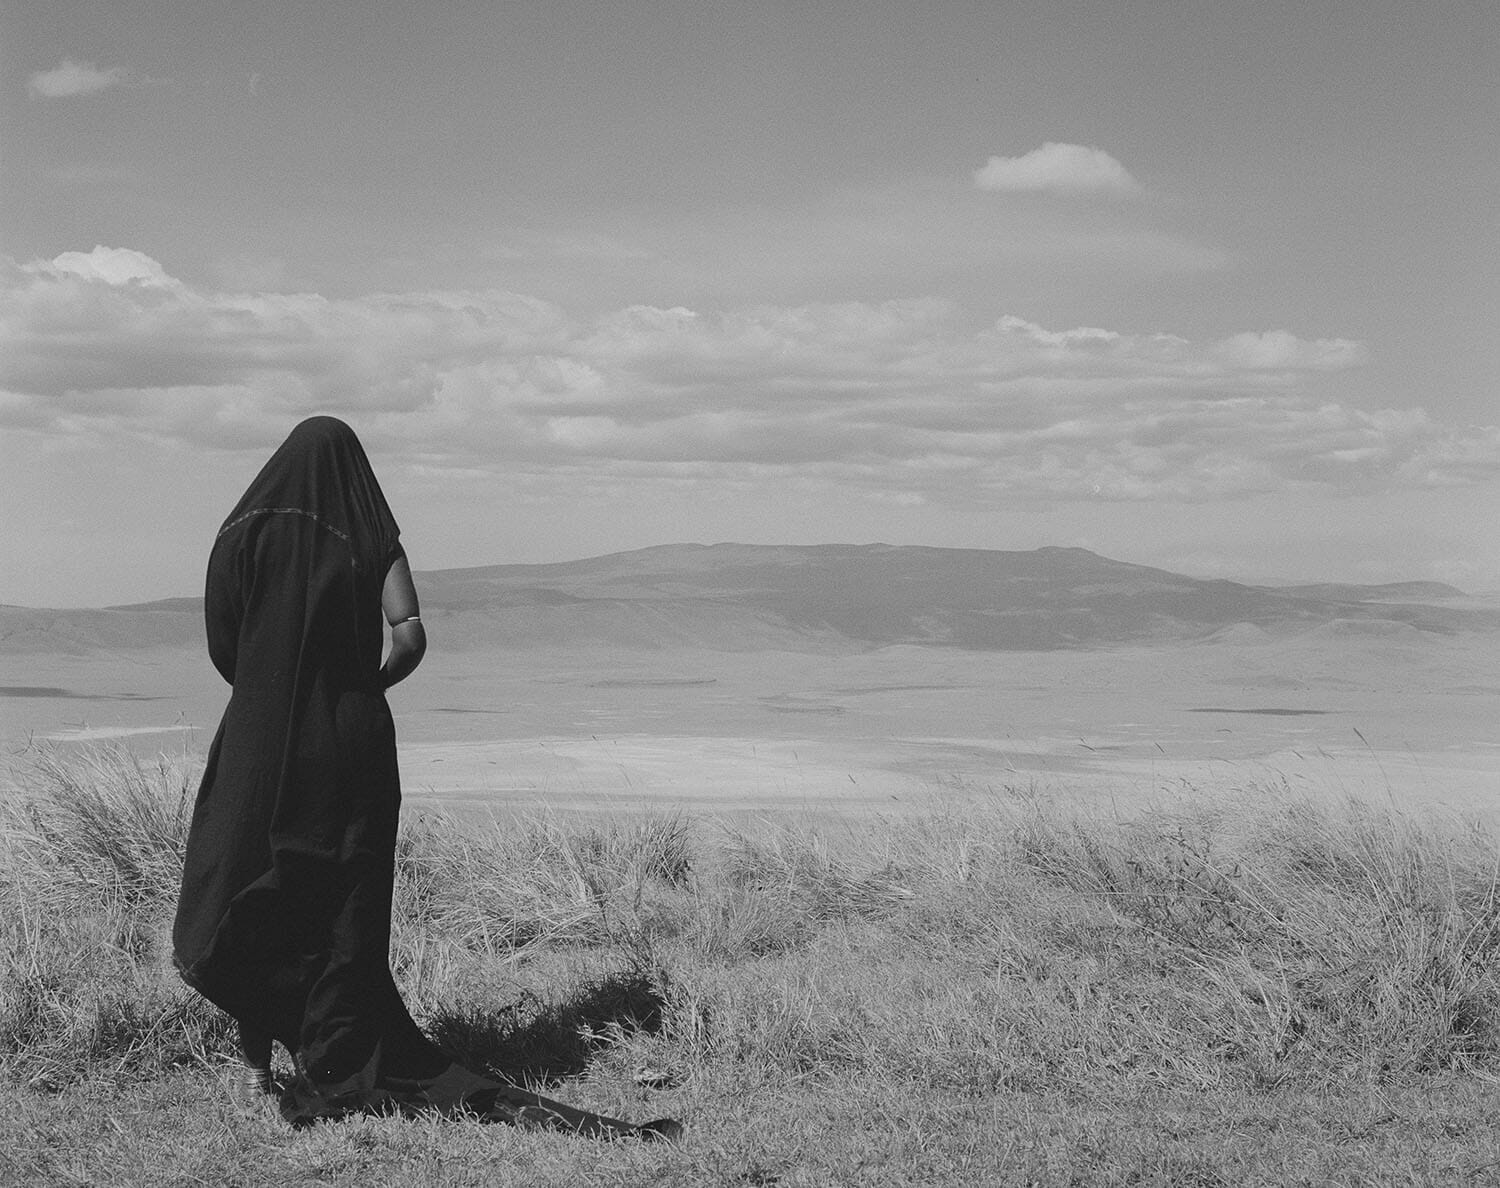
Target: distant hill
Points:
(1387, 592)
(752, 597)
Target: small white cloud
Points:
(113, 266)
(1058, 168)
(71, 78)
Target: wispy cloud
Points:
(902, 399)
(70, 78)
(1058, 168)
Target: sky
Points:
(1208, 286)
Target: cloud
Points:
(899, 400)
(112, 266)
(1059, 169)
(1277, 349)
(70, 78)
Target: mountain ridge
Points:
(745, 597)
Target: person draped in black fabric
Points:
(284, 917)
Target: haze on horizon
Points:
(1208, 288)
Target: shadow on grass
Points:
(534, 1042)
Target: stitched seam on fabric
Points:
(296, 511)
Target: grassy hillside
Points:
(1260, 991)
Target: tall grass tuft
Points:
(100, 827)
(521, 883)
(1326, 938)
(90, 863)
(806, 866)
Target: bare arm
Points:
(408, 637)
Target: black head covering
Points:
(321, 471)
(300, 561)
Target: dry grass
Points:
(1267, 992)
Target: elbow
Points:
(409, 642)
(417, 638)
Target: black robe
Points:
(285, 913)
(284, 917)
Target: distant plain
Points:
(724, 719)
